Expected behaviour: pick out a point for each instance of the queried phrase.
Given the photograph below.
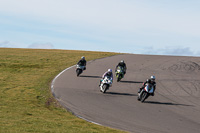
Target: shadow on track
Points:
(131, 82)
(87, 76)
(122, 94)
(166, 103)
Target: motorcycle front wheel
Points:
(143, 96)
(118, 77)
(105, 87)
(78, 72)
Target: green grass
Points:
(26, 102)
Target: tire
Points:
(118, 77)
(78, 72)
(138, 98)
(143, 96)
(105, 87)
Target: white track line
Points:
(53, 81)
(52, 90)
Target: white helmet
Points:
(122, 61)
(153, 77)
(83, 57)
(109, 70)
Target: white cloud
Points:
(110, 14)
(41, 46)
(178, 51)
(6, 44)
(110, 24)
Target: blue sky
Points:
(165, 27)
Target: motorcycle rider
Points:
(82, 62)
(123, 65)
(150, 81)
(107, 73)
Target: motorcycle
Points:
(145, 93)
(79, 69)
(119, 73)
(106, 83)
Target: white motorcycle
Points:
(105, 84)
(79, 69)
(145, 93)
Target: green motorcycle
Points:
(119, 73)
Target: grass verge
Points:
(26, 103)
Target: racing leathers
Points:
(107, 73)
(82, 62)
(123, 65)
(148, 81)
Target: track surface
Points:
(174, 108)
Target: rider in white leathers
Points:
(107, 73)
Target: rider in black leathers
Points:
(123, 65)
(150, 81)
(82, 62)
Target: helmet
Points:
(109, 70)
(153, 77)
(122, 61)
(83, 57)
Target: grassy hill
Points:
(26, 102)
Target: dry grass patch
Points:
(26, 101)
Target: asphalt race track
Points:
(175, 108)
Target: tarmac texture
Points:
(175, 108)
